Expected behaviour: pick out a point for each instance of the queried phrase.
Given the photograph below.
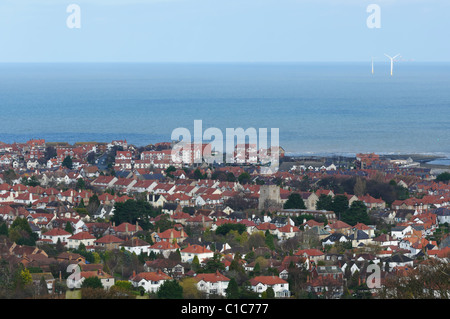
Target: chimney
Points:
(134, 273)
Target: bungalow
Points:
(260, 284)
(212, 284)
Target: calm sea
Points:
(318, 107)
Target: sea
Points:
(319, 108)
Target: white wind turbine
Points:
(392, 61)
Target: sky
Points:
(223, 30)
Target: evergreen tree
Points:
(232, 291)
(170, 289)
(295, 201)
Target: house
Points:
(385, 240)
(212, 284)
(170, 267)
(359, 238)
(47, 276)
(172, 236)
(125, 229)
(335, 238)
(84, 238)
(76, 281)
(311, 254)
(443, 215)
(55, 234)
(260, 284)
(363, 227)
(149, 281)
(396, 260)
(398, 232)
(108, 242)
(189, 253)
(136, 245)
(326, 286)
(286, 232)
(340, 227)
(164, 248)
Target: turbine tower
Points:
(392, 61)
(372, 65)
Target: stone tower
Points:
(269, 197)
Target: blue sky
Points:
(222, 31)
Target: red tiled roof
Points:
(267, 280)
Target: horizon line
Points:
(214, 62)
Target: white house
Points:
(136, 245)
(399, 232)
(150, 281)
(212, 284)
(280, 286)
(80, 238)
(188, 254)
(76, 279)
(56, 234)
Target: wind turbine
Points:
(392, 61)
(372, 65)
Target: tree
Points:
(443, 177)
(170, 289)
(81, 184)
(93, 205)
(134, 210)
(268, 294)
(325, 202)
(198, 174)
(357, 213)
(67, 162)
(244, 178)
(295, 201)
(190, 290)
(226, 228)
(269, 240)
(340, 204)
(360, 187)
(214, 264)
(68, 228)
(9, 175)
(232, 291)
(92, 282)
(4, 229)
